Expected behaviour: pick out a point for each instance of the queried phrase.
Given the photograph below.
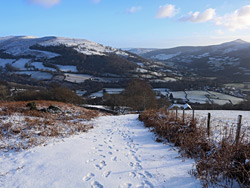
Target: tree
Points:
(139, 95)
(171, 96)
(3, 92)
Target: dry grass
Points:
(22, 128)
(191, 140)
(217, 163)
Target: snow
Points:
(77, 78)
(140, 51)
(141, 70)
(203, 97)
(140, 64)
(162, 91)
(179, 94)
(81, 92)
(20, 45)
(67, 68)
(118, 152)
(224, 97)
(40, 66)
(108, 90)
(36, 74)
(20, 64)
(224, 119)
(197, 96)
(83, 46)
(3, 62)
(165, 56)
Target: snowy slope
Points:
(225, 59)
(118, 152)
(20, 45)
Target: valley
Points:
(197, 75)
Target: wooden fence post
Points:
(208, 124)
(176, 114)
(237, 138)
(193, 117)
(192, 122)
(183, 117)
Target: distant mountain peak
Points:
(239, 41)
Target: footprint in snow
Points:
(137, 166)
(132, 174)
(96, 184)
(148, 174)
(131, 152)
(136, 159)
(126, 185)
(106, 174)
(114, 158)
(88, 177)
(91, 160)
(145, 184)
(101, 165)
(141, 175)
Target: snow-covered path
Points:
(118, 152)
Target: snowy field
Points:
(77, 78)
(202, 97)
(108, 90)
(226, 98)
(197, 96)
(118, 152)
(40, 66)
(67, 68)
(20, 64)
(222, 120)
(179, 94)
(3, 62)
(162, 91)
(37, 74)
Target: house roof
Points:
(180, 106)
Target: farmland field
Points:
(207, 96)
(76, 78)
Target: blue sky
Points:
(129, 23)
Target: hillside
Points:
(24, 59)
(229, 60)
(27, 52)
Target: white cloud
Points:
(239, 19)
(134, 9)
(45, 3)
(166, 11)
(219, 32)
(198, 17)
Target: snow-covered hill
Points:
(20, 45)
(227, 59)
(140, 51)
(53, 58)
